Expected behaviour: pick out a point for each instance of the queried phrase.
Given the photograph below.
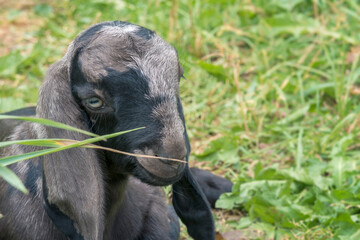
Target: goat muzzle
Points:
(166, 165)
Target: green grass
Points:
(271, 98)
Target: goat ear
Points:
(72, 180)
(192, 207)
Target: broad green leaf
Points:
(227, 201)
(222, 149)
(244, 222)
(343, 194)
(353, 236)
(346, 226)
(11, 178)
(299, 175)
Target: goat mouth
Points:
(154, 180)
(163, 169)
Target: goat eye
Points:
(94, 102)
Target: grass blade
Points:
(17, 158)
(299, 154)
(295, 115)
(131, 154)
(339, 126)
(48, 123)
(5, 161)
(51, 142)
(11, 178)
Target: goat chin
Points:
(115, 76)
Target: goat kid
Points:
(115, 76)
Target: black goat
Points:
(115, 76)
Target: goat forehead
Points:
(131, 46)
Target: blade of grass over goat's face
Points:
(115, 76)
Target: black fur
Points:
(145, 33)
(93, 194)
(62, 222)
(212, 185)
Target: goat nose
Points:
(170, 158)
(163, 167)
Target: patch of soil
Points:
(17, 30)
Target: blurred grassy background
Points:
(271, 98)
